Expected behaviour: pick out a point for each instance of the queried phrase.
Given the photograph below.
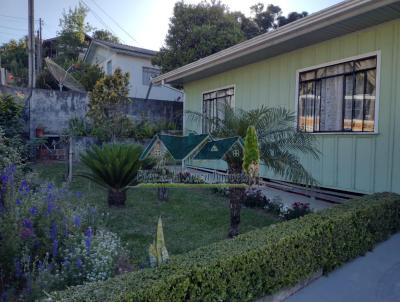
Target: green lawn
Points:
(191, 218)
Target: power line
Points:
(12, 28)
(116, 23)
(10, 35)
(15, 17)
(97, 16)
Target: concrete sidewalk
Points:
(372, 278)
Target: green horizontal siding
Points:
(361, 163)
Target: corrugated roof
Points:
(181, 146)
(216, 149)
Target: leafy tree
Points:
(293, 16)
(88, 74)
(84, 73)
(14, 57)
(105, 35)
(279, 141)
(199, 30)
(196, 31)
(113, 167)
(72, 34)
(107, 100)
(266, 19)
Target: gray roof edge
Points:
(315, 21)
(126, 48)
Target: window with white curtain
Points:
(214, 106)
(338, 98)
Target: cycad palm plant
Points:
(279, 141)
(113, 167)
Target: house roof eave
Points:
(289, 37)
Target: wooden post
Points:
(31, 45)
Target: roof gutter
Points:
(318, 20)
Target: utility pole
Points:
(31, 44)
(39, 47)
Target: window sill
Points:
(344, 133)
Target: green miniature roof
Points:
(216, 149)
(181, 146)
(147, 149)
(178, 146)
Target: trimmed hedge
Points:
(257, 263)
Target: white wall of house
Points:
(110, 60)
(134, 65)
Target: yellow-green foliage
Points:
(251, 156)
(257, 263)
(106, 110)
(158, 253)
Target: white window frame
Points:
(376, 53)
(233, 104)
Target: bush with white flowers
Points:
(102, 258)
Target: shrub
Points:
(275, 206)
(78, 127)
(114, 167)
(188, 178)
(149, 163)
(39, 230)
(93, 257)
(257, 263)
(254, 198)
(223, 191)
(10, 151)
(11, 111)
(297, 210)
(106, 108)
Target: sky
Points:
(141, 23)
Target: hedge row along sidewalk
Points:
(257, 263)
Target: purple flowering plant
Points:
(50, 222)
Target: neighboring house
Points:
(50, 47)
(136, 61)
(337, 69)
(185, 150)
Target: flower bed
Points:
(258, 263)
(50, 239)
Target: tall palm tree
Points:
(280, 145)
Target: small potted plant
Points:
(39, 131)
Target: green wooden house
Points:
(194, 149)
(337, 69)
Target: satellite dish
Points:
(63, 77)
